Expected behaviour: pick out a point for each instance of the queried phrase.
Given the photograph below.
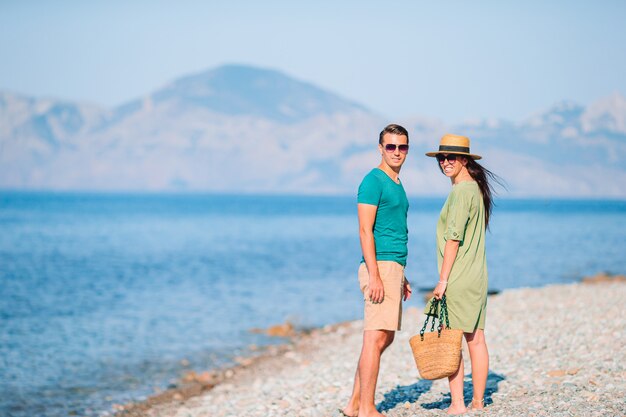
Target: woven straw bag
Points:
(437, 354)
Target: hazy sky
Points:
(447, 59)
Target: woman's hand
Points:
(449, 255)
(440, 289)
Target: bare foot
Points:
(478, 404)
(456, 409)
(349, 411)
(373, 413)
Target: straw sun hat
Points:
(456, 144)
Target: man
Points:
(382, 211)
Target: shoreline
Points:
(194, 384)
(212, 392)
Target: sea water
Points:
(106, 297)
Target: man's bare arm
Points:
(367, 217)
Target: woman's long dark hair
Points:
(485, 179)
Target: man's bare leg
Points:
(374, 344)
(352, 409)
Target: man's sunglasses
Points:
(390, 147)
(451, 158)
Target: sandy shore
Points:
(555, 351)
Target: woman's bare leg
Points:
(479, 356)
(456, 391)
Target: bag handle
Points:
(432, 312)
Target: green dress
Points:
(462, 218)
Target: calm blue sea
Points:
(102, 296)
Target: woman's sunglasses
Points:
(390, 147)
(451, 158)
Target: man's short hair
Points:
(394, 130)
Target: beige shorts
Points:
(388, 314)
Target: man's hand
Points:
(376, 290)
(440, 289)
(406, 290)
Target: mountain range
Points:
(241, 129)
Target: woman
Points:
(461, 259)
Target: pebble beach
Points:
(554, 351)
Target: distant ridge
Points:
(237, 90)
(241, 129)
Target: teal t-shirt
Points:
(390, 227)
